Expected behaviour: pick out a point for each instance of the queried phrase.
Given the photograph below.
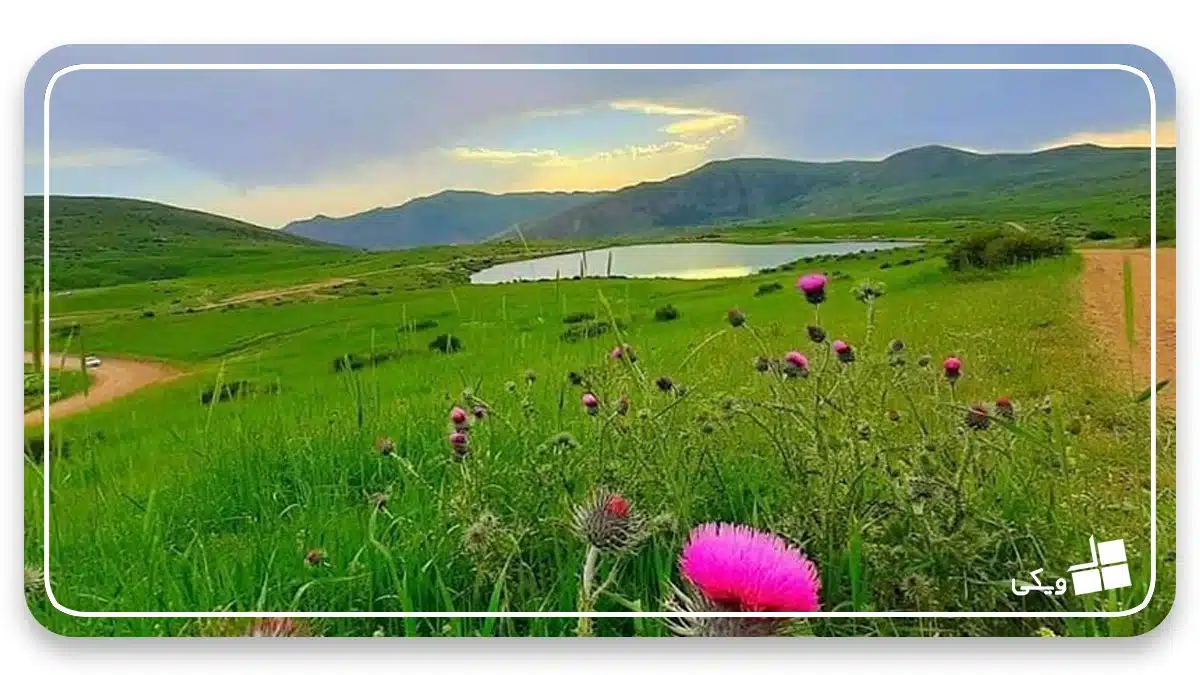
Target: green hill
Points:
(1103, 187)
(102, 241)
(449, 217)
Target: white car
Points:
(92, 362)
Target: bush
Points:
(998, 248)
(232, 390)
(578, 317)
(1099, 235)
(590, 329)
(666, 313)
(147, 314)
(772, 287)
(446, 344)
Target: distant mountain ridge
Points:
(448, 217)
(929, 179)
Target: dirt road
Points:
(1103, 282)
(113, 379)
(272, 293)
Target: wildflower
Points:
(664, 383)
(385, 445)
(458, 416)
(479, 412)
(616, 353)
(315, 557)
(481, 532)
(816, 334)
(813, 287)
(608, 522)
(738, 568)
(379, 500)
(868, 291)
(458, 443)
(797, 364)
(978, 417)
(762, 364)
(953, 368)
(845, 353)
(893, 415)
(510, 386)
(681, 392)
(35, 581)
(279, 627)
(590, 403)
(896, 346)
(623, 405)
(530, 376)
(736, 318)
(574, 378)
(797, 359)
(1004, 408)
(468, 395)
(629, 354)
(925, 360)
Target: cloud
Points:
(97, 157)
(1137, 137)
(503, 156)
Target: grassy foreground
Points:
(280, 499)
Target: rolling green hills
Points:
(449, 217)
(1105, 187)
(103, 241)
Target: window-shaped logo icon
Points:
(1107, 570)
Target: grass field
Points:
(277, 497)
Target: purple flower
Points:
(813, 287)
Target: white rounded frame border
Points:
(598, 66)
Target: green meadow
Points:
(261, 480)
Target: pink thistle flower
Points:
(1004, 408)
(458, 416)
(739, 568)
(797, 359)
(458, 443)
(844, 351)
(953, 367)
(617, 353)
(813, 287)
(590, 403)
(480, 412)
(617, 506)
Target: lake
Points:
(691, 260)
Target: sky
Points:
(273, 146)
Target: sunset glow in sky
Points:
(275, 146)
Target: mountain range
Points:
(449, 217)
(930, 180)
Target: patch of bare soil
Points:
(114, 378)
(1104, 307)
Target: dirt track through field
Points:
(1104, 307)
(273, 293)
(113, 379)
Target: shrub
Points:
(578, 317)
(446, 344)
(769, 288)
(229, 391)
(147, 314)
(666, 313)
(1099, 235)
(997, 248)
(590, 329)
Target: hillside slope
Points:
(931, 180)
(102, 241)
(450, 217)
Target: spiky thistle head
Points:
(736, 317)
(816, 334)
(384, 445)
(978, 417)
(35, 581)
(609, 522)
(715, 626)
